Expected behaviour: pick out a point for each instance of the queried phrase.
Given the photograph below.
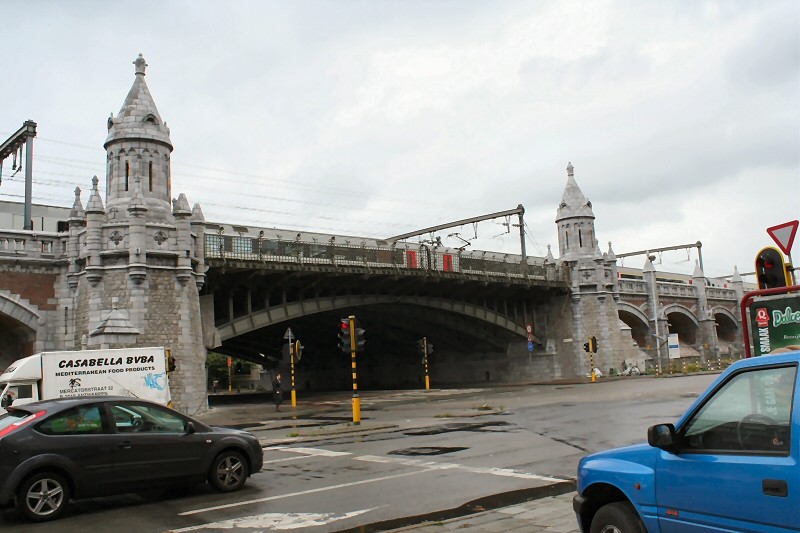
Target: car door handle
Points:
(126, 445)
(774, 487)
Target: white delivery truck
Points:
(135, 372)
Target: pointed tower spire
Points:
(77, 213)
(138, 146)
(575, 220)
(611, 255)
(736, 278)
(138, 118)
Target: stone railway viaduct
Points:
(141, 268)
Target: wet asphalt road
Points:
(420, 453)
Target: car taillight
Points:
(16, 425)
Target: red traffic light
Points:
(345, 324)
(770, 269)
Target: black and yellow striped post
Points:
(292, 350)
(425, 359)
(356, 399)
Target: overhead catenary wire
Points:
(201, 185)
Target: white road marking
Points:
(317, 452)
(432, 465)
(301, 493)
(276, 521)
(425, 466)
(284, 459)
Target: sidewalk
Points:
(310, 422)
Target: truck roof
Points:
(25, 369)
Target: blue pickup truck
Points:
(730, 464)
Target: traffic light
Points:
(422, 344)
(171, 366)
(586, 347)
(770, 269)
(238, 367)
(344, 335)
(593, 344)
(360, 341)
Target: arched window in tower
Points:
(150, 177)
(580, 237)
(127, 173)
(109, 170)
(566, 236)
(167, 175)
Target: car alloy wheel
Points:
(43, 496)
(229, 471)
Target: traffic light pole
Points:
(356, 399)
(291, 359)
(425, 359)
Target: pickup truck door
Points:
(736, 467)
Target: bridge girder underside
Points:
(253, 308)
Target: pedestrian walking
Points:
(214, 385)
(277, 392)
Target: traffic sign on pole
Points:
(783, 235)
(288, 335)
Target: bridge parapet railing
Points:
(638, 286)
(407, 258)
(676, 289)
(32, 244)
(719, 293)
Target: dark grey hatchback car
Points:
(56, 450)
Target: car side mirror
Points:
(190, 428)
(662, 436)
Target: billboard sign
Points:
(776, 325)
(674, 346)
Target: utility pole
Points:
(518, 211)
(11, 146)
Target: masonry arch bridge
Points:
(471, 323)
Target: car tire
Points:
(43, 496)
(617, 517)
(229, 471)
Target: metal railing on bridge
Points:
(406, 256)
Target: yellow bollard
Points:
(356, 409)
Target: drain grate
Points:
(428, 450)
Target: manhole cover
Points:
(428, 450)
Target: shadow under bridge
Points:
(463, 319)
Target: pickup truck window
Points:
(750, 413)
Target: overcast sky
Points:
(375, 118)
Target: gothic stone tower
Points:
(136, 264)
(594, 291)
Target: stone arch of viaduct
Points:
(292, 310)
(23, 322)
